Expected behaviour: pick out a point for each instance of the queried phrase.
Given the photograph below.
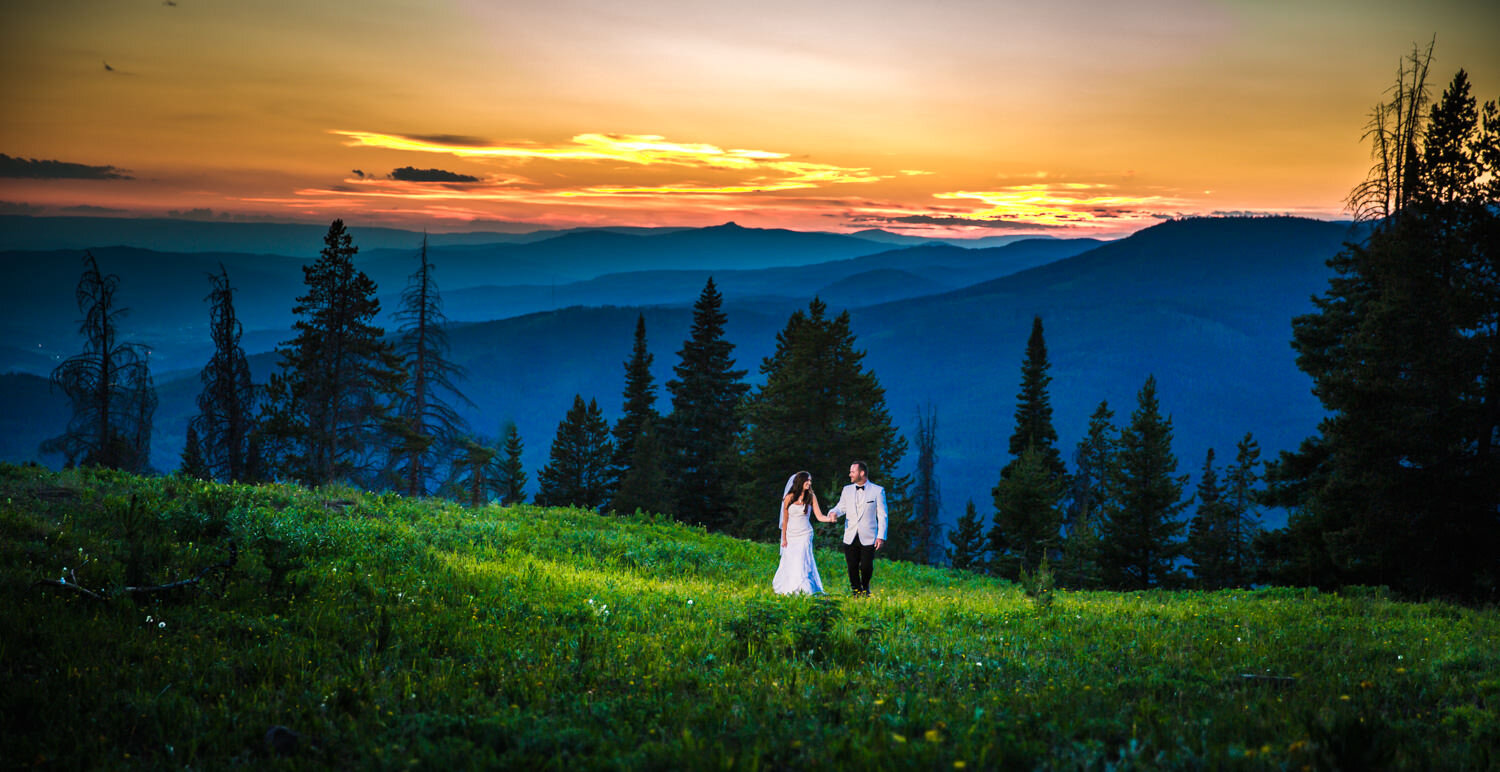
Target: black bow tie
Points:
(859, 487)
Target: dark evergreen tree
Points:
(1398, 487)
(225, 422)
(510, 479)
(472, 470)
(1034, 409)
(926, 497)
(1241, 495)
(327, 410)
(1297, 554)
(1088, 498)
(141, 403)
(193, 464)
(1210, 544)
(967, 541)
(108, 385)
(701, 430)
(1080, 566)
(645, 486)
(426, 425)
(821, 410)
(578, 465)
(639, 411)
(1140, 536)
(1027, 519)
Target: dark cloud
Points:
(964, 222)
(451, 139)
(199, 213)
(91, 209)
(243, 217)
(360, 173)
(32, 169)
(413, 174)
(1248, 213)
(16, 207)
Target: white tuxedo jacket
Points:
(863, 512)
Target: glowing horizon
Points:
(1081, 118)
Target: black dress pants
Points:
(861, 560)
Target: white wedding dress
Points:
(798, 572)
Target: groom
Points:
(863, 503)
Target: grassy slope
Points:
(387, 631)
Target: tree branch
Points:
(72, 584)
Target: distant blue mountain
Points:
(1204, 305)
(181, 235)
(165, 291)
(585, 255)
(303, 239)
(31, 413)
(881, 285)
(938, 268)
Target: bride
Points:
(798, 572)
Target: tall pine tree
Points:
(578, 466)
(1210, 534)
(327, 408)
(966, 549)
(1140, 537)
(820, 409)
(193, 464)
(1241, 495)
(926, 497)
(645, 485)
(225, 424)
(426, 425)
(1398, 487)
(471, 475)
(1027, 517)
(108, 385)
(510, 479)
(1088, 498)
(701, 430)
(639, 412)
(1034, 409)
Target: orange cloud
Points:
(642, 149)
(1064, 203)
(638, 149)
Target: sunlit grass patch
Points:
(384, 631)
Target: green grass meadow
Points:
(390, 633)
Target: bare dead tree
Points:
(1394, 129)
(108, 384)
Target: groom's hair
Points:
(862, 468)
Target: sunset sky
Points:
(1087, 117)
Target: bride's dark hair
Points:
(797, 493)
